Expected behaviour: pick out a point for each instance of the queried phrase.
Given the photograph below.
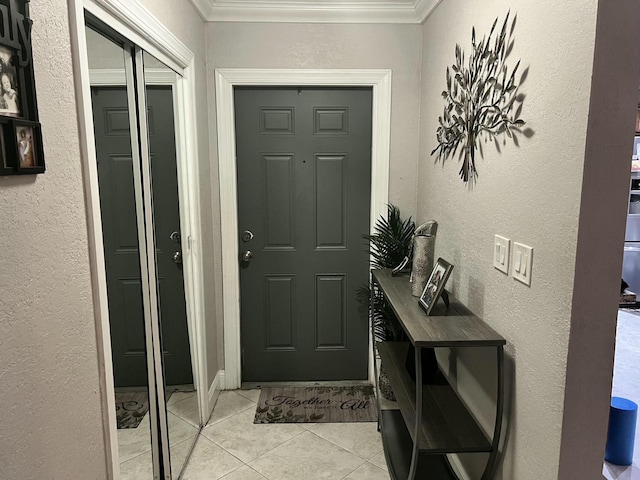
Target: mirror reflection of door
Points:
(122, 212)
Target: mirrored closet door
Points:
(153, 366)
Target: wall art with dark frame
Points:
(20, 131)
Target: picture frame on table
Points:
(435, 285)
(20, 131)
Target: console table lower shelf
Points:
(398, 445)
(446, 424)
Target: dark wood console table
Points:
(431, 421)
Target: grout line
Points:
(339, 446)
(209, 423)
(345, 449)
(239, 392)
(255, 458)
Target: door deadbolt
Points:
(175, 236)
(246, 236)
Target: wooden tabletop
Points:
(455, 326)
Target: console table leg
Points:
(416, 436)
(493, 457)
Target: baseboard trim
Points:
(216, 387)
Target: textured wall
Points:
(51, 419)
(395, 47)
(180, 17)
(532, 194)
(604, 198)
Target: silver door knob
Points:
(247, 256)
(177, 258)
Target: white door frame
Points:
(136, 23)
(225, 80)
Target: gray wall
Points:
(560, 194)
(51, 411)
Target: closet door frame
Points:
(139, 27)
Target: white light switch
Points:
(522, 260)
(501, 253)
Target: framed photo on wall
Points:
(435, 285)
(22, 150)
(25, 145)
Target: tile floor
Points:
(231, 447)
(134, 444)
(626, 383)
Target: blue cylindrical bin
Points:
(622, 431)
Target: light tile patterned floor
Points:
(134, 444)
(626, 383)
(232, 447)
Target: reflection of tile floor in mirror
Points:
(135, 448)
(231, 447)
(626, 383)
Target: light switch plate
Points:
(522, 262)
(501, 253)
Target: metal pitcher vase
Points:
(424, 243)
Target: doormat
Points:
(131, 407)
(316, 405)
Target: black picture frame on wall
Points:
(23, 141)
(21, 132)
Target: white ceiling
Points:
(316, 11)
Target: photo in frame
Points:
(23, 142)
(22, 149)
(9, 97)
(435, 285)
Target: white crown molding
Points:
(424, 8)
(141, 27)
(316, 11)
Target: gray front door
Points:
(304, 193)
(118, 206)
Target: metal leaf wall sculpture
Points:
(482, 99)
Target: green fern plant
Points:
(388, 245)
(391, 241)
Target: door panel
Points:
(304, 176)
(330, 201)
(331, 318)
(279, 308)
(120, 236)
